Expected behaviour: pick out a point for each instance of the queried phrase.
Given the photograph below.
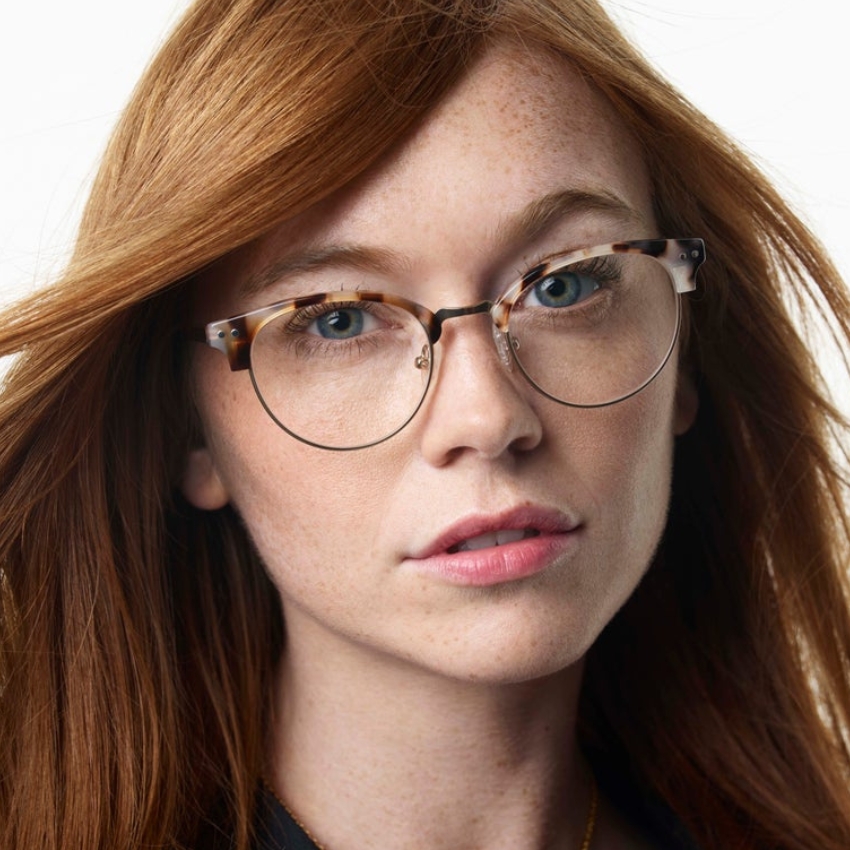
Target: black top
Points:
(276, 830)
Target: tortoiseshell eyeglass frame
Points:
(681, 258)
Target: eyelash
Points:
(306, 315)
(533, 262)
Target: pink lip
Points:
(555, 534)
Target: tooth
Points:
(494, 538)
(483, 541)
(510, 535)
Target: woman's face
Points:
(370, 549)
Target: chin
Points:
(525, 649)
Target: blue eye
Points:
(562, 289)
(333, 325)
(343, 323)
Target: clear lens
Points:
(343, 374)
(596, 331)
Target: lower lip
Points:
(499, 564)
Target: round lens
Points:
(596, 331)
(341, 374)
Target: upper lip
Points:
(544, 520)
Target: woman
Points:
(290, 560)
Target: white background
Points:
(772, 72)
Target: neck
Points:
(379, 753)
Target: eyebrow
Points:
(362, 257)
(530, 222)
(543, 213)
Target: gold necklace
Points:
(589, 825)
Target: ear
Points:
(686, 403)
(202, 485)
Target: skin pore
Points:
(413, 711)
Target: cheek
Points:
(306, 510)
(293, 498)
(625, 450)
(621, 462)
(636, 462)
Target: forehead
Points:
(528, 99)
(521, 126)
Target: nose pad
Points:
(503, 347)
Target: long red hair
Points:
(138, 635)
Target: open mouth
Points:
(493, 538)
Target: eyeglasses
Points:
(347, 370)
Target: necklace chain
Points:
(589, 825)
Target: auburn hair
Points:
(138, 635)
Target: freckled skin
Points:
(409, 712)
(333, 528)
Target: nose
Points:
(477, 403)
